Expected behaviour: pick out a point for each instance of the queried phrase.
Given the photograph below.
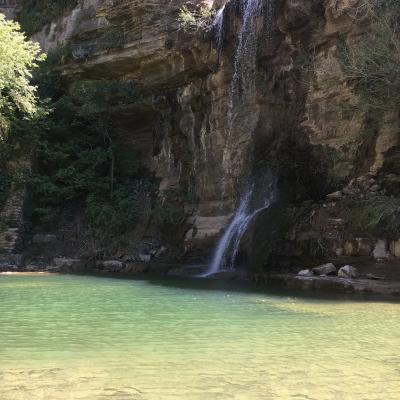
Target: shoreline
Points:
(285, 282)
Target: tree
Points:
(18, 57)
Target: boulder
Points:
(111, 265)
(348, 272)
(325, 269)
(305, 273)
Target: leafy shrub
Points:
(377, 216)
(198, 19)
(372, 64)
(112, 37)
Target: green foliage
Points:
(169, 208)
(58, 56)
(35, 14)
(81, 165)
(18, 57)
(197, 19)
(5, 185)
(372, 64)
(112, 37)
(121, 210)
(377, 216)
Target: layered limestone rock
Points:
(198, 137)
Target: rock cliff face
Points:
(199, 137)
(9, 7)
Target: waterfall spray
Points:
(258, 197)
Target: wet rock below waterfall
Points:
(325, 269)
(348, 272)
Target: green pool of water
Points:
(72, 337)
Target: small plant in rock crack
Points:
(196, 20)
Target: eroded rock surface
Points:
(294, 120)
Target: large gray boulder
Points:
(325, 269)
(348, 272)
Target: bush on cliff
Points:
(378, 216)
(197, 19)
(372, 64)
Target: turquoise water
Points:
(72, 337)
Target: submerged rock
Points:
(348, 272)
(325, 269)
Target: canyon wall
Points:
(201, 139)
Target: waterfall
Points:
(258, 197)
(218, 28)
(243, 83)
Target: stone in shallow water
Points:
(305, 273)
(325, 269)
(348, 272)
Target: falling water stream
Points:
(242, 99)
(218, 27)
(257, 198)
(243, 83)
